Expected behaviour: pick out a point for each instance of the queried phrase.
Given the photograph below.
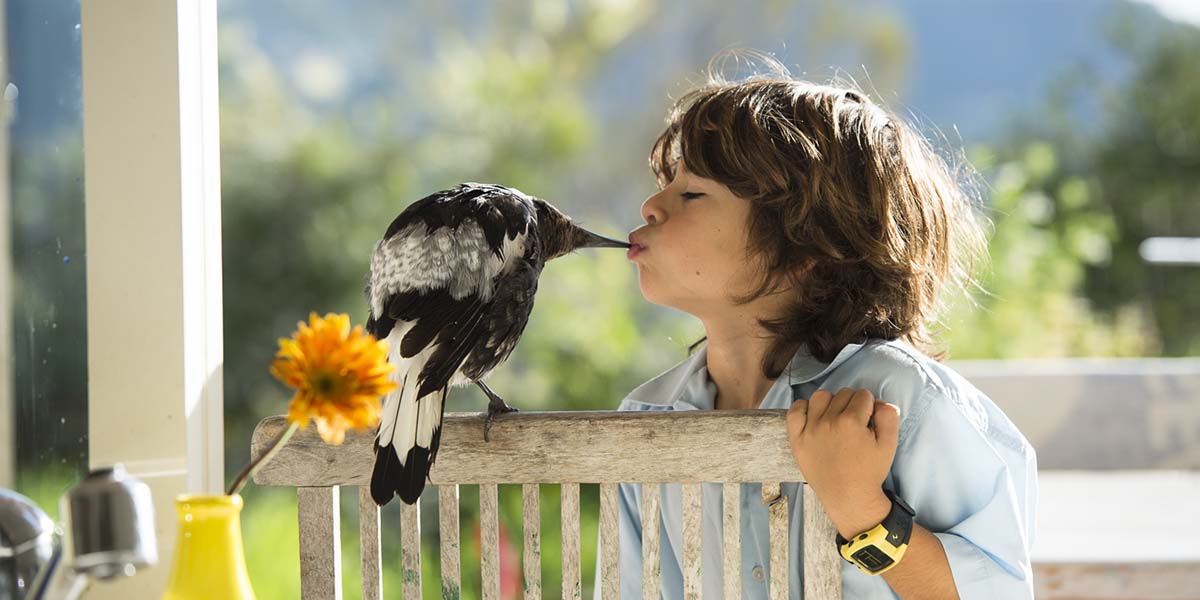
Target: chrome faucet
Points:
(107, 532)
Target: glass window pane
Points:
(43, 292)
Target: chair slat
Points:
(651, 567)
(822, 563)
(410, 550)
(731, 540)
(571, 586)
(532, 524)
(448, 540)
(320, 548)
(369, 545)
(692, 542)
(611, 585)
(777, 517)
(489, 551)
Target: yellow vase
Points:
(209, 560)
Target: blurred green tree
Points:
(1043, 235)
(304, 206)
(1072, 202)
(1146, 169)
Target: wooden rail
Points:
(566, 449)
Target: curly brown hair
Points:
(851, 208)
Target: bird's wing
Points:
(457, 240)
(504, 320)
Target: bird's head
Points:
(560, 235)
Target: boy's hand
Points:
(845, 444)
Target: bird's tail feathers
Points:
(407, 442)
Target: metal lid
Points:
(108, 520)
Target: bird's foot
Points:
(495, 408)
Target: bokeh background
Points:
(1081, 118)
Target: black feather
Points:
(462, 336)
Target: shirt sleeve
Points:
(971, 477)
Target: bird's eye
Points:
(690, 195)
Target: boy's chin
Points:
(650, 292)
(654, 295)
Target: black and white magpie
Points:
(451, 287)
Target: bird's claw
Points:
(491, 414)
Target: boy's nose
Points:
(651, 214)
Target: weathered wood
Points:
(369, 543)
(489, 550)
(571, 585)
(532, 524)
(691, 498)
(553, 447)
(410, 550)
(777, 517)
(651, 565)
(609, 531)
(731, 539)
(822, 564)
(448, 540)
(320, 547)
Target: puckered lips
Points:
(637, 246)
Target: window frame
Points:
(153, 226)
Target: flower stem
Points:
(257, 464)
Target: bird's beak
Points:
(588, 239)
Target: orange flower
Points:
(338, 375)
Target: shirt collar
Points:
(695, 391)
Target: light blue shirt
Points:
(960, 463)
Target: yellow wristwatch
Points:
(881, 547)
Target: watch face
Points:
(872, 558)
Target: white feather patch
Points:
(387, 418)
(407, 420)
(458, 260)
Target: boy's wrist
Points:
(853, 518)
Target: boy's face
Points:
(695, 246)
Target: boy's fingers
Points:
(862, 406)
(887, 423)
(798, 415)
(817, 404)
(838, 404)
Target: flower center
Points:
(325, 383)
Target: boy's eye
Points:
(690, 195)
